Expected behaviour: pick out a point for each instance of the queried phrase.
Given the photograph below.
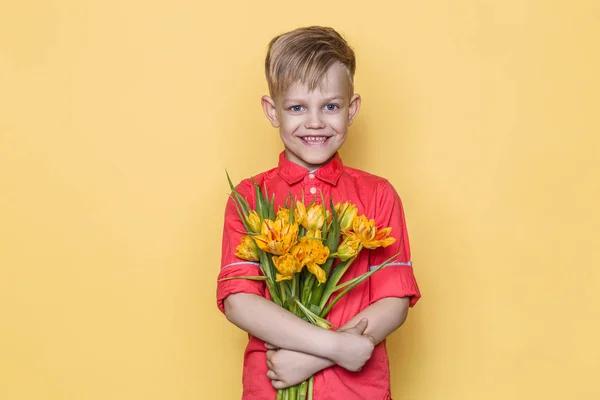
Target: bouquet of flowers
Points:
(297, 246)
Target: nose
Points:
(314, 120)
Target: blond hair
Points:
(304, 55)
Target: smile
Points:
(314, 140)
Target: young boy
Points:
(310, 74)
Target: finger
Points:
(271, 374)
(269, 364)
(270, 354)
(278, 384)
(358, 328)
(270, 346)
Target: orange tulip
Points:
(369, 236)
(247, 249)
(287, 265)
(277, 237)
(311, 252)
(283, 213)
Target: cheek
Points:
(290, 124)
(340, 123)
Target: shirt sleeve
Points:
(233, 230)
(397, 278)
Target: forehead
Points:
(334, 83)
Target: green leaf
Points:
(315, 308)
(355, 282)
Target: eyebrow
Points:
(326, 100)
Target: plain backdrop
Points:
(118, 119)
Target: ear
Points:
(353, 107)
(268, 105)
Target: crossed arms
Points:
(298, 349)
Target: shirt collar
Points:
(294, 173)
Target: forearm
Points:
(384, 316)
(275, 325)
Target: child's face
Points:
(314, 125)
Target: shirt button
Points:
(311, 176)
(313, 190)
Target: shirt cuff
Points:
(241, 285)
(394, 281)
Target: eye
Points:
(296, 108)
(331, 107)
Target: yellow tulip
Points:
(283, 213)
(369, 236)
(311, 252)
(300, 212)
(314, 218)
(287, 265)
(277, 237)
(253, 221)
(247, 249)
(313, 234)
(348, 248)
(346, 213)
(317, 271)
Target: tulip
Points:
(317, 271)
(311, 252)
(277, 237)
(300, 212)
(348, 248)
(346, 213)
(313, 234)
(253, 221)
(369, 236)
(283, 213)
(247, 249)
(287, 265)
(314, 218)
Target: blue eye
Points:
(296, 108)
(331, 107)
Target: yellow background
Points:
(118, 119)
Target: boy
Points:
(312, 102)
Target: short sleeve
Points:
(233, 230)
(397, 278)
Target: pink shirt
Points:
(376, 198)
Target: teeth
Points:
(315, 139)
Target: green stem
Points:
(311, 384)
(357, 280)
(280, 394)
(333, 280)
(302, 390)
(284, 299)
(293, 392)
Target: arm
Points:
(269, 322)
(288, 367)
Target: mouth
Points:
(314, 140)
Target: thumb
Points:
(359, 328)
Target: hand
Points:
(353, 349)
(288, 368)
